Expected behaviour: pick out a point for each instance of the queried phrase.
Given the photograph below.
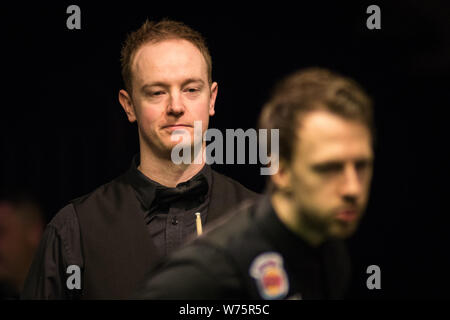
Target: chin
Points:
(344, 231)
(170, 145)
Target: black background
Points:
(63, 132)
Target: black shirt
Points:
(116, 232)
(252, 255)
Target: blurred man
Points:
(21, 227)
(114, 234)
(289, 246)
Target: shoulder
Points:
(231, 231)
(110, 191)
(61, 239)
(193, 272)
(106, 202)
(65, 222)
(238, 218)
(238, 236)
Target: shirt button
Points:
(174, 221)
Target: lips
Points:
(347, 215)
(173, 127)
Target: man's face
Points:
(170, 91)
(330, 173)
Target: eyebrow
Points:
(363, 160)
(165, 85)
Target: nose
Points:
(175, 104)
(351, 187)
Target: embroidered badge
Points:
(271, 279)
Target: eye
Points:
(362, 165)
(192, 90)
(157, 93)
(328, 168)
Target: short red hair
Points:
(155, 32)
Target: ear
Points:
(127, 105)
(282, 179)
(212, 100)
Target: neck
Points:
(291, 217)
(164, 171)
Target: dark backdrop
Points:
(63, 132)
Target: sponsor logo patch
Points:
(271, 279)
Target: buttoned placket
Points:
(174, 229)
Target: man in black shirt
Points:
(289, 245)
(100, 245)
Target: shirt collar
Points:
(145, 187)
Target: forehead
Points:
(323, 136)
(168, 61)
